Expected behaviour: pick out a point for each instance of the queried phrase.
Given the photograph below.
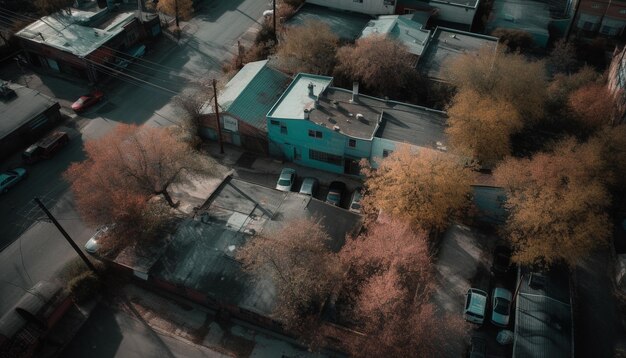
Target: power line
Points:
(117, 73)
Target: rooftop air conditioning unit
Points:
(336, 128)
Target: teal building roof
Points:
(407, 29)
(252, 93)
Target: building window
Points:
(595, 6)
(315, 134)
(352, 143)
(622, 11)
(276, 123)
(283, 129)
(325, 157)
(387, 152)
(408, 11)
(359, 1)
(388, 2)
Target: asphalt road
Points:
(108, 333)
(33, 249)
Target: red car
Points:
(87, 100)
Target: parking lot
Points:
(463, 261)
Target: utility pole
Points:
(217, 117)
(67, 237)
(274, 20)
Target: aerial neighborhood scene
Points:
(313, 178)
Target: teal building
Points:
(317, 125)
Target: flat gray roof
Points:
(543, 317)
(201, 255)
(18, 111)
(462, 3)
(366, 118)
(68, 32)
(345, 24)
(447, 44)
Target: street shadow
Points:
(211, 10)
(99, 337)
(44, 180)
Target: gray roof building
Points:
(25, 115)
(446, 45)
(201, 255)
(543, 315)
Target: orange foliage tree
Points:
(308, 48)
(390, 276)
(301, 265)
(482, 126)
(126, 167)
(423, 187)
(557, 203)
(382, 64)
(593, 106)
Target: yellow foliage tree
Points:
(557, 203)
(482, 126)
(180, 9)
(503, 76)
(425, 188)
(308, 48)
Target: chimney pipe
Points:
(355, 91)
(311, 87)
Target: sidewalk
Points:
(196, 324)
(265, 170)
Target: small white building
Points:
(370, 7)
(458, 11)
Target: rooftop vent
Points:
(336, 128)
(361, 118)
(453, 36)
(307, 112)
(536, 281)
(6, 93)
(311, 87)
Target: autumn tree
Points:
(562, 58)
(390, 274)
(502, 76)
(382, 64)
(47, 7)
(424, 187)
(190, 104)
(180, 9)
(127, 167)
(301, 265)
(557, 203)
(308, 48)
(612, 141)
(482, 126)
(514, 39)
(592, 106)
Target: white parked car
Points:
(286, 179)
(93, 244)
(475, 306)
(268, 13)
(355, 201)
(501, 303)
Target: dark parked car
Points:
(46, 147)
(335, 193)
(478, 347)
(501, 260)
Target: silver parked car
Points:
(355, 201)
(286, 179)
(475, 305)
(501, 303)
(309, 186)
(93, 245)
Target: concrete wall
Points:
(454, 13)
(370, 7)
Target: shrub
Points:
(84, 286)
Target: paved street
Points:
(109, 333)
(41, 250)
